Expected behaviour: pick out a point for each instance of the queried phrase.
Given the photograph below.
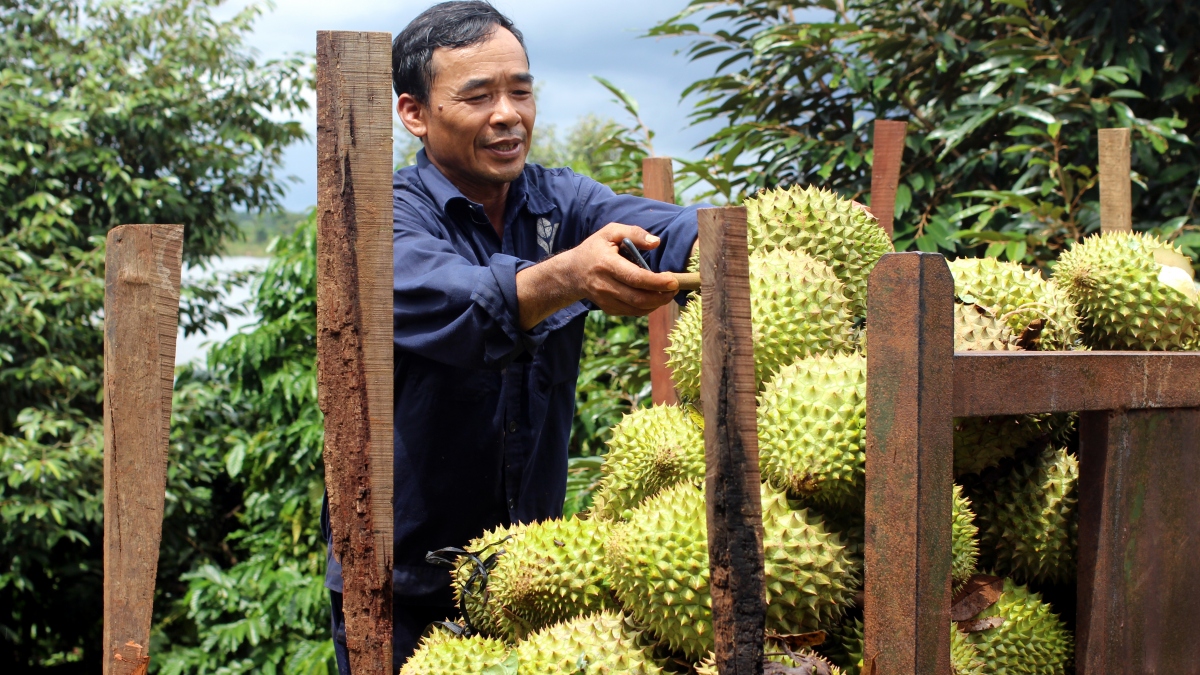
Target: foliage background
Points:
(133, 111)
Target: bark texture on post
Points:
(141, 320)
(658, 183)
(1138, 542)
(354, 328)
(735, 548)
(909, 434)
(885, 170)
(1116, 207)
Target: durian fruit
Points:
(806, 662)
(597, 644)
(659, 569)
(1031, 640)
(1133, 290)
(964, 547)
(1019, 297)
(543, 573)
(964, 656)
(442, 652)
(650, 449)
(1030, 519)
(797, 307)
(810, 430)
(981, 442)
(831, 229)
(977, 329)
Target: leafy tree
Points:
(1003, 99)
(116, 112)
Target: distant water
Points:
(195, 347)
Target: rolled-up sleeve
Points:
(448, 309)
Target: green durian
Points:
(964, 656)
(543, 573)
(977, 329)
(1018, 296)
(1133, 290)
(650, 449)
(981, 442)
(605, 643)
(1031, 640)
(815, 663)
(810, 429)
(964, 547)
(797, 308)
(1030, 519)
(659, 569)
(831, 229)
(442, 652)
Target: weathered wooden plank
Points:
(885, 169)
(354, 327)
(1116, 207)
(141, 320)
(909, 483)
(1139, 543)
(728, 390)
(1028, 382)
(658, 183)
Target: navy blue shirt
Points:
(483, 409)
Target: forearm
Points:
(545, 288)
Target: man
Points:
(494, 260)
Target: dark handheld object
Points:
(631, 253)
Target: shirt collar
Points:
(520, 192)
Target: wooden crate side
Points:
(909, 483)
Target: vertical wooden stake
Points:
(885, 170)
(735, 548)
(910, 453)
(354, 328)
(658, 183)
(1116, 207)
(141, 320)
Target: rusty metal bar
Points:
(1139, 543)
(910, 351)
(1011, 383)
(658, 183)
(885, 169)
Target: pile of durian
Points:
(624, 587)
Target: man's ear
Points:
(413, 115)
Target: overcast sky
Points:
(568, 42)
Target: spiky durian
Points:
(1031, 640)
(981, 442)
(1019, 297)
(810, 429)
(1030, 519)
(964, 656)
(603, 643)
(441, 652)
(541, 574)
(797, 308)
(1133, 290)
(977, 329)
(659, 569)
(964, 547)
(831, 229)
(650, 449)
(805, 661)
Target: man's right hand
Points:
(594, 270)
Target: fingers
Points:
(637, 278)
(626, 299)
(615, 232)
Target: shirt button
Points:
(512, 503)
(512, 427)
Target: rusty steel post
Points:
(658, 183)
(885, 169)
(909, 435)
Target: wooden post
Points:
(1138, 542)
(354, 328)
(910, 453)
(885, 170)
(735, 548)
(141, 321)
(658, 183)
(1116, 207)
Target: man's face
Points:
(480, 116)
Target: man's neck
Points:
(491, 196)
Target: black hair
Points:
(453, 25)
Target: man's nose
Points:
(505, 113)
